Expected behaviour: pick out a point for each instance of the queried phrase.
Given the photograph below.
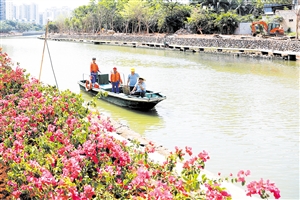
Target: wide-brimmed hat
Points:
(132, 69)
(142, 78)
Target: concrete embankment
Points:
(239, 46)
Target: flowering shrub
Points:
(58, 149)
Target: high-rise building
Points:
(2, 9)
(34, 13)
(9, 10)
(23, 13)
(54, 13)
(16, 12)
(27, 13)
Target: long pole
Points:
(46, 33)
(52, 66)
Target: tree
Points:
(60, 23)
(175, 15)
(200, 20)
(127, 16)
(110, 8)
(99, 12)
(4, 27)
(80, 17)
(67, 23)
(289, 2)
(24, 27)
(227, 22)
(151, 15)
(134, 10)
(52, 27)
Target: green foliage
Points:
(247, 18)
(10, 25)
(140, 16)
(227, 22)
(277, 18)
(174, 18)
(201, 20)
(288, 2)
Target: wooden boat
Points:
(123, 99)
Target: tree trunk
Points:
(126, 27)
(139, 23)
(147, 27)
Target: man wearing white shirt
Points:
(139, 88)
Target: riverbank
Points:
(242, 45)
(123, 132)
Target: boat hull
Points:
(128, 101)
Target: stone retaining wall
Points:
(248, 43)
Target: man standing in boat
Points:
(132, 79)
(94, 71)
(115, 79)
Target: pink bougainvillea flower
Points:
(188, 150)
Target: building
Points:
(26, 13)
(289, 21)
(2, 9)
(33, 13)
(270, 9)
(54, 13)
(296, 4)
(9, 10)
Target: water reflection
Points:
(136, 120)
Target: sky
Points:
(44, 4)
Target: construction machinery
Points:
(270, 29)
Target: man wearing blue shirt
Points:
(132, 79)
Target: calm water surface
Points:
(244, 112)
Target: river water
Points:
(244, 112)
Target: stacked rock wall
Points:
(257, 44)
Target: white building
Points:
(53, 13)
(9, 10)
(297, 4)
(34, 13)
(26, 13)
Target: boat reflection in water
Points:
(138, 121)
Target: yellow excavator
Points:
(270, 29)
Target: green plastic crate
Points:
(103, 79)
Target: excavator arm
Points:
(254, 27)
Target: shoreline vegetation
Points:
(236, 45)
(54, 145)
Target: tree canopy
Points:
(148, 16)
